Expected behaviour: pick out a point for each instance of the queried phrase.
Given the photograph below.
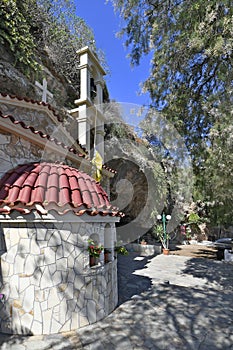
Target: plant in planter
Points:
(106, 255)
(94, 251)
(191, 227)
(143, 242)
(188, 234)
(162, 236)
(121, 250)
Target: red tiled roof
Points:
(49, 186)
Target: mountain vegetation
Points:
(47, 29)
(190, 83)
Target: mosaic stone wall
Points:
(15, 150)
(46, 283)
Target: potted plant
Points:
(121, 250)
(143, 242)
(106, 253)
(163, 237)
(188, 234)
(94, 251)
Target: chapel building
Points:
(51, 207)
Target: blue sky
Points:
(123, 81)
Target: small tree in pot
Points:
(162, 236)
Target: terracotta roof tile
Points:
(53, 186)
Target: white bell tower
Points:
(88, 114)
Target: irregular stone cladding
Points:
(47, 285)
(15, 150)
(40, 133)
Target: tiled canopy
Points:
(48, 186)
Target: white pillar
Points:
(83, 128)
(84, 83)
(99, 92)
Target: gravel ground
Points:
(195, 251)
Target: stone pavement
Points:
(165, 302)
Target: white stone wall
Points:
(46, 281)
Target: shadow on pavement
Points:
(130, 284)
(217, 272)
(195, 251)
(165, 316)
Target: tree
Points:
(60, 33)
(15, 34)
(191, 43)
(190, 80)
(217, 173)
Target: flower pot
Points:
(166, 251)
(105, 258)
(92, 260)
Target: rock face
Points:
(14, 81)
(129, 188)
(138, 188)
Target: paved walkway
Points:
(165, 302)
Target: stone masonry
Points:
(47, 284)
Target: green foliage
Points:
(121, 250)
(46, 29)
(163, 237)
(94, 249)
(191, 44)
(59, 33)
(217, 180)
(15, 33)
(175, 178)
(188, 233)
(190, 81)
(194, 218)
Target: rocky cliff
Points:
(139, 188)
(16, 81)
(134, 189)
